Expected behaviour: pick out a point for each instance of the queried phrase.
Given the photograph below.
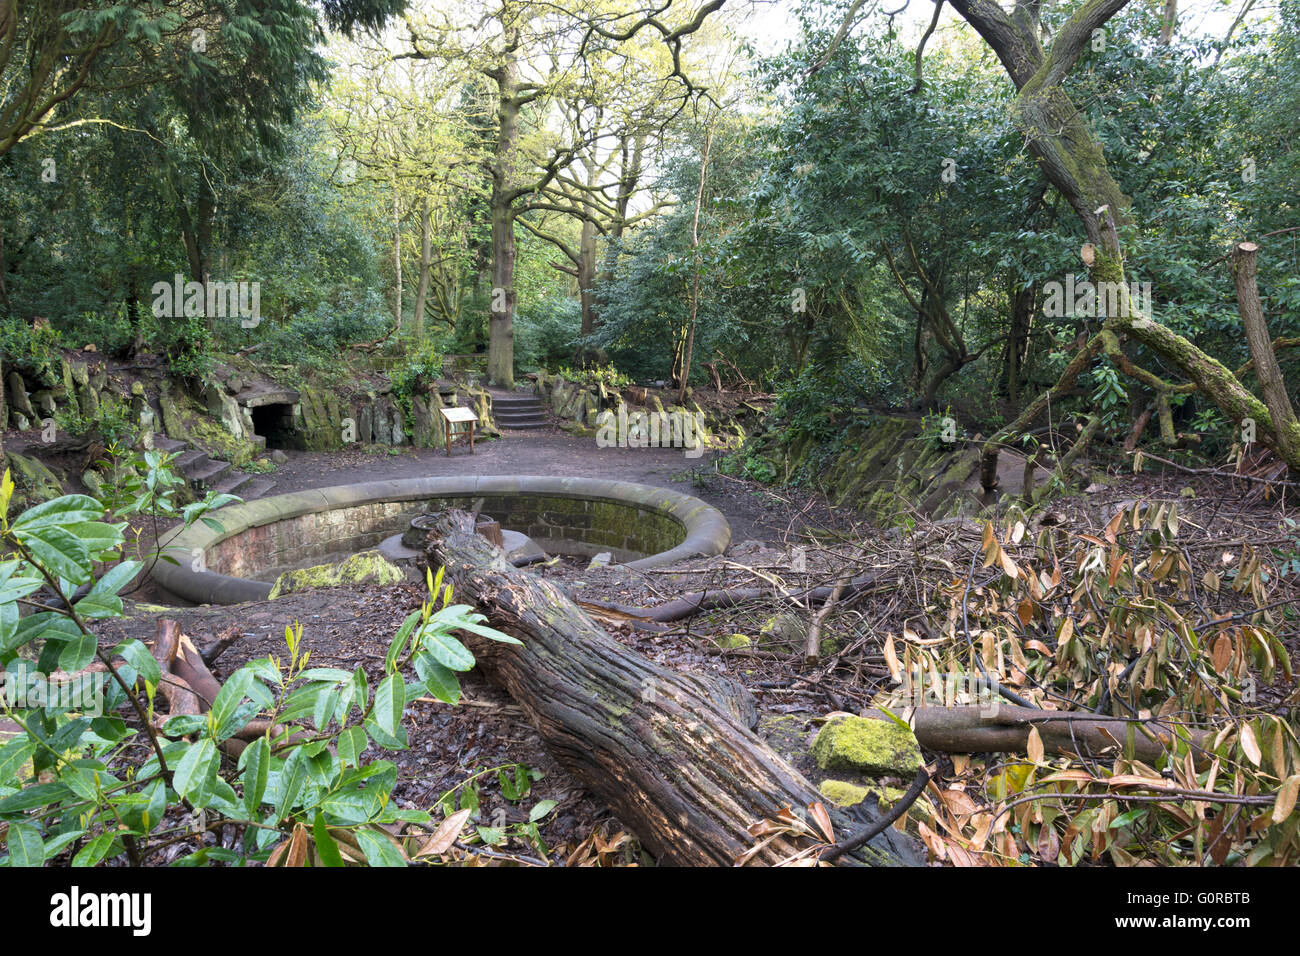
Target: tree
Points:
(1073, 161)
(535, 56)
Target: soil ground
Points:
(352, 626)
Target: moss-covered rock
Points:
(732, 641)
(862, 745)
(367, 567)
(845, 794)
(33, 482)
(784, 630)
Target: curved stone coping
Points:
(706, 531)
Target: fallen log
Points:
(1004, 728)
(697, 601)
(670, 753)
(190, 667)
(218, 646)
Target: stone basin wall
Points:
(638, 524)
(563, 525)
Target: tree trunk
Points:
(397, 257)
(670, 753)
(688, 346)
(426, 266)
(1023, 300)
(1002, 728)
(1072, 160)
(587, 276)
(501, 331)
(1272, 385)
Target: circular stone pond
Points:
(638, 525)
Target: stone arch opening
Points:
(274, 422)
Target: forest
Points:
(885, 422)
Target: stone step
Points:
(524, 401)
(190, 461)
(523, 426)
(211, 473)
(168, 445)
(512, 415)
(234, 484)
(257, 488)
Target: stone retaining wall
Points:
(637, 524)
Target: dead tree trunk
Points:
(1272, 385)
(671, 753)
(1004, 728)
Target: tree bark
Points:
(501, 332)
(1272, 385)
(426, 266)
(671, 753)
(1003, 728)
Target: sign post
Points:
(454, 416)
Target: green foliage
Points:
(546, 333)
(28, 347)
(69, 786)
(606, 375)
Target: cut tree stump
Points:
(672, 754)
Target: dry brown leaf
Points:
(1249, 744)
(446, 834)
(1034, 746)
(823, 821)
(1286, 797)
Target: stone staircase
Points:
(518, 412)
(212, 474)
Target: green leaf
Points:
(55, 846)
(99, 606)
(325, 845)
(440, 681)
(183, 725)
(379, 850)
(231, 695)
(139, 657)
(195, 773)
(390, 700)
(69, 509)
(398, 645)
(116, 578)
(59, 552)
(291, 779)
(350, 744)
(12, 757)
(542, 808)
(78, 652)
(334, 675)
(94, 851)
(97, 536)
(257, 766)
(29, 798)
(26, 848)
(446, 650)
